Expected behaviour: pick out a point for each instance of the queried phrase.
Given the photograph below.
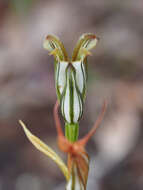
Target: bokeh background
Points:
(27, 90)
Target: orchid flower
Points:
(71, 84)
(71, 79)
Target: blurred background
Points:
(27, 90)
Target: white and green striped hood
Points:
(71, 81)
(71, 74)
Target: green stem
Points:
(71, 131)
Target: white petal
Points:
(61, 75)
(66, 104)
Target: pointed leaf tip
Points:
(41, 146)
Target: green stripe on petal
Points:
(78, 102)
(81, 76)
(65, 99)
(71, 100)
(60, 77)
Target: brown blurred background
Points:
(27, 90)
